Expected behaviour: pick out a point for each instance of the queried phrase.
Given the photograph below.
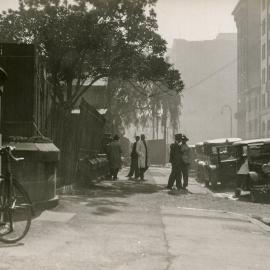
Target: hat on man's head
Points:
(178, 137)
(184, 138)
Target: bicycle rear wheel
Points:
(15, 212)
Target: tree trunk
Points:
(153, 124)
(69, 90)
(157, 126)
(109, 108)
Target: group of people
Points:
(180, 159)
(139, 158)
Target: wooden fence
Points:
(77, 134)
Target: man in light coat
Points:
(186, 160)
(142, 151)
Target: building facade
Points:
(265, 67)
(253, 49)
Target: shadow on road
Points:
(119, 189)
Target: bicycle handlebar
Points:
(8, 150)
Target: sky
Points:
(187, 19)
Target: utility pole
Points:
(230, 110)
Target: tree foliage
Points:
(91, 39)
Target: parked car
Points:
(220, 162)
(256, 162)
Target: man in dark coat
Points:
(134, 168)
(176, 161)
(115, 152)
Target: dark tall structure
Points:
(25, 95)
(249, 106)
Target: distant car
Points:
(220, 162)
(256, 179)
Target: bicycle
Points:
(15, 205)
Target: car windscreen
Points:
(259, 151)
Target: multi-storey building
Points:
(247, 18)
(208, 68)
(265, 67)
(253, 26)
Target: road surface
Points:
(127, 225)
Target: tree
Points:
(83, 42)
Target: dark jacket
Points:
(175, 154)
(133, 151)
(115, 155)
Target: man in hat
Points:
(186, 160)
(134, 168)
(143, 161)
(175, 160)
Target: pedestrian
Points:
(186, 160)
(134, 168)
(115, 157)
(175, 160)
(143, 161)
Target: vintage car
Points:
(199, 162)
(254, 169)
(220, 162)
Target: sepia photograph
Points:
(134, 134)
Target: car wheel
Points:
(213, 180)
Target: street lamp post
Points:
(230, 110)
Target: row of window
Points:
(265, 126)
(253, 103)
(264, 75)
(253, 126)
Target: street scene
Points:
(135, 134)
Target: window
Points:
(263, 51)
(255, 103)
(256, 124)
(249, 105)
(249, 126)
(268, 72)
(268, 99)
(263, 75)
(268, 124)
(263, 128)
(263, 4)
(263, 101)
(263, 27)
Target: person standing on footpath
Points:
(134, 168)
(142, 152)
(115, 157)
(186, 160)
(176, 162)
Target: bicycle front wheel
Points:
(15, 212)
